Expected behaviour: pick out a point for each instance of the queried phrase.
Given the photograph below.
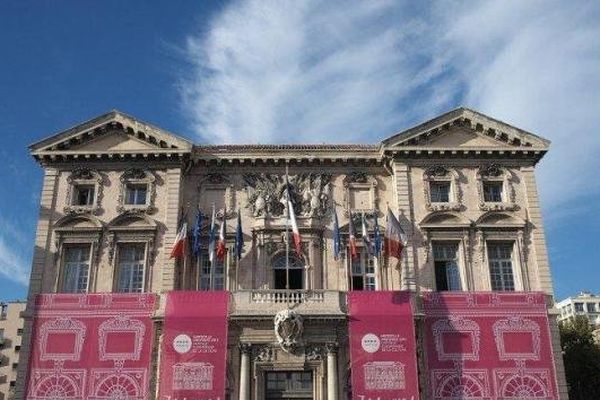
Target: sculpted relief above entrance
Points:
(310, 192)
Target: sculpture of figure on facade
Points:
(289, 327)
(310, 194)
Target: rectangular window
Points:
(3, 311)
(1, 334)
(578, 307)
(447, 273)
(17, 348)
(76, 268)
(20, 332)
(131, 267)
(440, 192)
(363, 270)
(136, 194)
(501, 268)
(492, 192)
(84, 195)
(15, 365)
(211, 280)
(591, 307)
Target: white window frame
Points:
(515, 265)
(64, 262)
(129, 187)
(441, 174)
(204, 268)
(118, 266)
(366, 262)
(458, 265)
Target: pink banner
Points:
(91, 346)
(382, 346)
(193, 358)
(488, 346)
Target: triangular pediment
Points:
(111, 133)
(465, 128)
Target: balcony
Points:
(266, 303)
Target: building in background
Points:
(462, 185)
(11, 331)
(585, 304)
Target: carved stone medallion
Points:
(289, 327)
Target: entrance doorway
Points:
(296, 385)
(295, 273)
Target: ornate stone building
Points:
(462, 184)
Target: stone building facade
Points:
(462, 184)
(11, 331)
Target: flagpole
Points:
(349, 253)
(287, 229)
(212, 250)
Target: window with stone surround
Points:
(138, 190)
(131, 268)
(500, 260)
(75, 268)
(442, 189)
(84, 191)
(495, 188)
(446, 266)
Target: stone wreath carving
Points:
(310, 193)
(88, 177)
(496, 173)
(440, 173)
(137, 176)
(289, 327)
(264, 354)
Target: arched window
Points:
(293, 278)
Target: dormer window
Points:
(84, 195)
(136, 194)
(440, 192)
(492, 191)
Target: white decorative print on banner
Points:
(61, 339)
(126, 331)
(116, 385)
(193, 376)
(384, 375)
(522, 384)
(51, 384)
(449, 337)
(467, 385)
(522, 331)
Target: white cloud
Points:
(335, 71)
(12, 263)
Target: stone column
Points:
(245, 349)
(332, 373)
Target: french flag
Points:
(221, 244)
(295, 231)
(179, 247)
(395, 238)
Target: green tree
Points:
(582, 359)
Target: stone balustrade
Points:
(309, 302)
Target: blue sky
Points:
(306, 71)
